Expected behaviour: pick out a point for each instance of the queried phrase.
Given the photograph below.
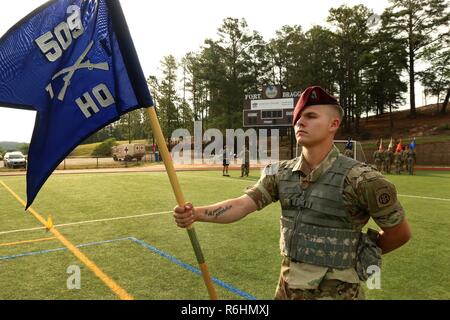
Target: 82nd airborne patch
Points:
(384, 198)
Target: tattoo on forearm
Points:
(217, 212)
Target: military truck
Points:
(128, 152)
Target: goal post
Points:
(358, 151)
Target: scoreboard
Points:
(273, 107)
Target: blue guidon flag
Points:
(72, 61)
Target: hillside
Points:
(10, 146)
(427, 123)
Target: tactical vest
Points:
(315, 228)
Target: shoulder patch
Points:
(381, 192)
(385, 197)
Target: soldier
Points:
(326, 199)
(404, 158)
(245, 166)
(375, 157)
(388, 160)
(225, 162)
(378, 157)
(411, 159)
(348, 152)
(398, 161)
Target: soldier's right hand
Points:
(184, 216)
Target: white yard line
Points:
(21, 230)
(254, 181)
(165, 212)
(89, 221)
(426, 198)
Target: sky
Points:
(176, 27)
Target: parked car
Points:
(14, 159)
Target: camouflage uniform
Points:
(387, 160)
(398, 162)
(378, 158)
(410, 161)
(404, 158)
(366, 193)
(245, 166)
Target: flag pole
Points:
(164, 152)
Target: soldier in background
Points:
(379, 142)
(378, 157)
(410, 160)
(388, 155)
(326, 200)
(225, 162)
(348, 152)
(245, 166)
(404, 158)
(398, 161)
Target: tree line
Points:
(370, 62)
(13, 146)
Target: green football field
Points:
(122, 223)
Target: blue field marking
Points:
(147, 246)
(194, 270)
(26, 254)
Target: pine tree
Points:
(419, 23)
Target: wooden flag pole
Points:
(164, 152)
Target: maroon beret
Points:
(310, 97)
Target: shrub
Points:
(104, 148)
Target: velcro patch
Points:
(371, 175)
(384, 198)
(271, 169)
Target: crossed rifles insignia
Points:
(79, 64)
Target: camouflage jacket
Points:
(378, 155)
(397, 157)
(411, 155)
(366, 194)
(388, 155)
(404, 155)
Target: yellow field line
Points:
(119, 291)
(25, 241)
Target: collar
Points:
(305, 169)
